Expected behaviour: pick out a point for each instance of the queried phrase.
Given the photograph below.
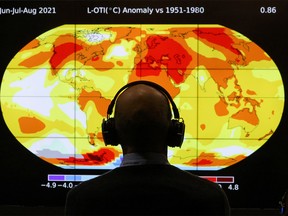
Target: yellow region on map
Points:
(56, 90)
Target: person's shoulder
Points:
(88, 187)
(189, 176)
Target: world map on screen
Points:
(56, 90)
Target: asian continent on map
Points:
(56, 90)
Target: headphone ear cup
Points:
(109, 132)
(176, 133)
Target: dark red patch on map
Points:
(96, 58)
(62, 51)
(204, 162)
(101, 157)
(164, 53)
(219, 37)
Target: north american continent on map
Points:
(56, 90)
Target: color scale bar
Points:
(220, 179)
(81, 178)
(70, 178)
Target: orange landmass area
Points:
(100, 136)
(251, 92)
(246, 115)
(94, 96)
(100, 157)
(33, 44)
(257, 55)
(266, 135)
(92, 137)
(221, 77)
(203, 127)
(234, 97)
(36, 60)
(30, 124)
(53, 161)
(210, 159)
(251, 101)
(119, 63)
(221, 107)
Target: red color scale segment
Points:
(219, 179)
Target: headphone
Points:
(176, 130)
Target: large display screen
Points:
(223, 62)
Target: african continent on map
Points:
(56, 90)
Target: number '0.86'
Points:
(268, 10)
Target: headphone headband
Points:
(156, 86)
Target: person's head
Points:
(142, 119)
